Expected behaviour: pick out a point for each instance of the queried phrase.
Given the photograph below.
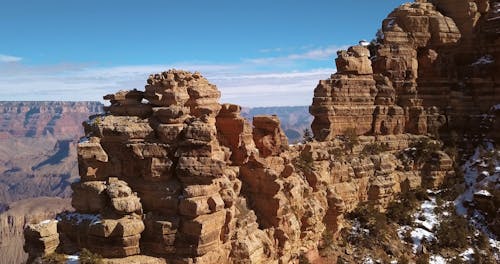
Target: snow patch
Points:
(84, 140)
(426, 216)
(478, 185)
(467, 255)
(368, 260)
(437, 259)
(72, 259)
(357, 229)
(483, 193)
(44, 222)
(486, 59)
(79, 218)
(418, 235)
(426, 220)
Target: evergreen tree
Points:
(307, 136)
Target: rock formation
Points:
(433, 65)
(351, 99)
(188, 179)
(20, 214)
(42, 238)
(171, 173)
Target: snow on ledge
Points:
(84, 140)
(483, 193)
(467, 254)
(79, 218)
(72, 259)
(486, 59)
(46, 222)
(437, 259)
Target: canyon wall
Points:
(38, 147)
(37, 119)
(171, 173)
(187, 179)
(433, 66)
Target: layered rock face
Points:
(156, 179)
(169, 172)
(354, 98)
(42, 238)
(434, 64)
(181, 177)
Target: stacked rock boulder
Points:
(109, 219)
(354, 99)
(156, 180)
(41, 239)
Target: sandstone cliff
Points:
(188, 179)
(171, 173)
(433, 66)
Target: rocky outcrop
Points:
(108, 221)
(432, 61)
(170, 172)
(182, 177)
(158, 175)
(353, 98)
(19, 215)
(41, 239)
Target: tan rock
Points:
(41, 239)
(268, 136)
(89, 197)
(122, 227)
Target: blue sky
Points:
(259, 53)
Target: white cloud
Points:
(238, 84)
(269, 89)
(244, 83)
(312, 54)
(8, 59)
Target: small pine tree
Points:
(307, 136)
